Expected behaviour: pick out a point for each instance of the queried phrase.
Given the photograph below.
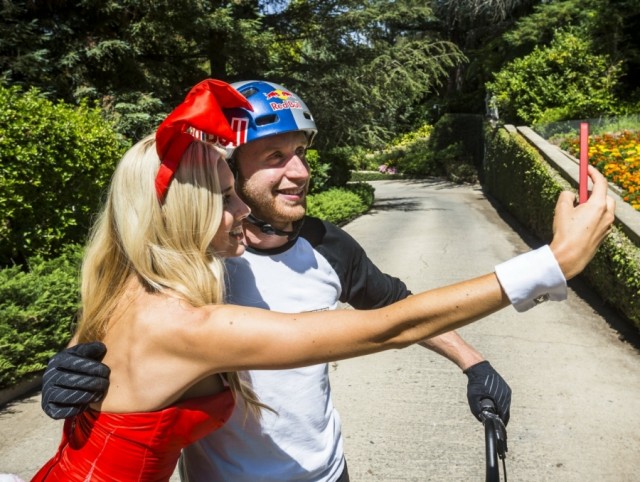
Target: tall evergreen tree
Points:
(135, 58)
(474, 26)
(363, 67)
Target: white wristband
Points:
(531, 278)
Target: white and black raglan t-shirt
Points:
(303, 441)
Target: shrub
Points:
(366, 192)
(56, 160)
(564, 80)
(337, 206)
(453, 147)
(363, 176)
(409, 155)
(615, 274)
(340, 164)
(37, 309)
(516, 175)
(359, 158)
(319, 172)
(422, 132)
(418, 160)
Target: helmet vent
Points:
(307, 115)
(249, 92)
(266, 120)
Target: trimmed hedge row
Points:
(37, 311)
(521, 180)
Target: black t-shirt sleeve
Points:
(364, 286)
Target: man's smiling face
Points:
(273, 177)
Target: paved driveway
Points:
(576, 385)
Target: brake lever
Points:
(489, 412)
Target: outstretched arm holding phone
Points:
(578, 231)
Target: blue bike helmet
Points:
(276, 110)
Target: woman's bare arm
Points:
(228, 338)
(249, 338)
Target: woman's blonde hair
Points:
(166, 245)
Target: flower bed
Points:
(617, 156)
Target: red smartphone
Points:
(583, 178)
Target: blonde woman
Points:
(153, 293)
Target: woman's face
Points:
(229, 240)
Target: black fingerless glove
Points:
(74, 378)
(485, 382)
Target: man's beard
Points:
(265, 206)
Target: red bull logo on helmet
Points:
(281, 100)
(278, 94)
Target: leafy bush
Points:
(340, 164)
(452, 148)
(458, 166)
(359, 158)
(56, 160)
(615, 274)
(319, 172)
(332, 167)
(417, 159)
(409, 154)
(366, 192)
(422, 132)
(517, 176)
(337, 205)
(37, 309)
(364, 176)
(564, 80)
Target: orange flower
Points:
(617, 155)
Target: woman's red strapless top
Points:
(133, 447)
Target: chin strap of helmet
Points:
(267, 228)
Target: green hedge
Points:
(517, 176)
(340, 205)
(37, 309)
(365, 176)
(55, 160)
(566, 79)
(520, 179)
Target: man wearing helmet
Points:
(296, 263)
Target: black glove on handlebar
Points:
(73, 379)
(485, 382)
